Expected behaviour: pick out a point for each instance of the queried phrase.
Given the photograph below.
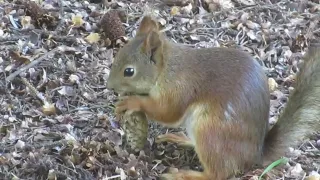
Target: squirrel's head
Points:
(137, 65)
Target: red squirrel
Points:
(221, 97)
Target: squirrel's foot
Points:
(185, 175)
(128, 103)
(181, 139)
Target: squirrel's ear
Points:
(151, 43)
(147, 25)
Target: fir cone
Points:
(112, 25)
(135, 126)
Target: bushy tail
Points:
(301, 116)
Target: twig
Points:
(44, 34)
(33, 63)
(12, 38)
(49, 145)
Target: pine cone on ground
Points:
(39, 16)
(112, 26)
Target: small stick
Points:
(33, 63)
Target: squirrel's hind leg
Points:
(181, 139)
(217, 152)
(185, 175)
(224, 149)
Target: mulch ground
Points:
(56, 115)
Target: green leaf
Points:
(274, 164)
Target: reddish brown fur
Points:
(147, 25)
(181, 139)
(221, 96)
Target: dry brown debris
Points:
(82, 139)
(39, 16)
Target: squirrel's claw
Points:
(120, 107)
(127, 103)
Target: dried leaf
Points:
(296, 171)
(20, 144)
(162, 21)
(93, 38)
(52, 175)
(49, 109)
(272, 84)
(247, 2)
(77, 20)
(175, 10)
(26, 22)
(18, 58)
(187, 9)
(67, 90)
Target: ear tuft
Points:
(147, 25)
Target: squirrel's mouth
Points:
(130, 94)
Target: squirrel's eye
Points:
(128, 72)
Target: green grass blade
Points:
(274, 164)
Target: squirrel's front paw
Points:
(128, 103)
